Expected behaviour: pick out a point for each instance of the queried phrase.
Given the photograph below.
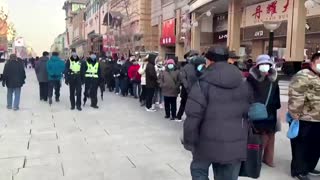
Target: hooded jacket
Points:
(151, 74)
(41, 69)
(216, 128)
(74, 77)
(261, 85)
(189, 74)
(56, 68)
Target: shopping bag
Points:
(252, 167)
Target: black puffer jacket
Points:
(14, 74)
(151, 74)
(216, 128)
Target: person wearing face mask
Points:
(92, 79)
(304, 105)
(264, 82)
(135, 78)
(170, 86)
(116, 71)
(74, 78)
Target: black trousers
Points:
(91, 90)
(143, 94)
(124, 85)
(170, 105)
(182, 107)
(43, 89)
(149, 97)
(56, 85)
(305, 148)
(75, 91)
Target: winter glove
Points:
(67, 82)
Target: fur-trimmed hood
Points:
(255, 72)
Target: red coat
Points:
(133, 72)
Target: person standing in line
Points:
(135, 78)
(216, 128)
(92, 79)
(263, 79)
(74, 78)
(55, 68)
(109, 74)
(170, 86)
(117, 76)
(151, 82)
(158, 97)
(13, 77)
(304, 105)
(42, 76)
(188, 76)
(142, 72)
(103, 81)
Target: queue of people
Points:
(215, 96)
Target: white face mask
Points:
(264, 68)
(318, 68)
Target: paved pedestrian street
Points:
(120, 141)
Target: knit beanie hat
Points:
(170, 61)
(264, 59)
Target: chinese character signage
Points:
(273, 10)
(168, 32)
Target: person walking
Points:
(74, 78)
(14, 78)
(55, 68)
(42, 76)
(216, 129)
(103, 81)
(151, 82)
(170, 86)
(264, 82)
(135, 78)
(117, 76)
(304, 105)
(142, 72)
(92, 79)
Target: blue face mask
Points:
(93, 56)
(170, 66)
(200, 67)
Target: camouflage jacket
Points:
(304, 96)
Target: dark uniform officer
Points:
(92, 79)
(74, 78)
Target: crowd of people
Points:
(222, 104)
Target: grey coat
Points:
(169, 83)
(188, 76)
(216, 127)
(41, 69)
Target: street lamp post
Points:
(271, 26)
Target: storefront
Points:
(168, 37)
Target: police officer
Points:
(92, 79)
(74, 78)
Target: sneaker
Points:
(79, 108)
(161, 106)
(57, 100)
(72, 108)
(167, 117)
(16, 109)
(150, 110)
(315, 173)
(178, 120)
(172, 119)
(157, 103)
(9, 108)
(301, 177)
(153, 106)
(117, 93)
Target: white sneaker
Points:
(117, 93)
(157, 103)
(177, 120)
(153, 106)
(150, 110)
(161, 106)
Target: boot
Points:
(268, 146)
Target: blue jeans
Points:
(200, 170)
(136, 89)
(16, 92)
(158, 96)
(117, 81)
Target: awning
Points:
(111, 17)
(198, 4)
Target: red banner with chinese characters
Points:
(108, 42)
(168, 32)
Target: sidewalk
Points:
(120, 141)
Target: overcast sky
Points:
(38, 21)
